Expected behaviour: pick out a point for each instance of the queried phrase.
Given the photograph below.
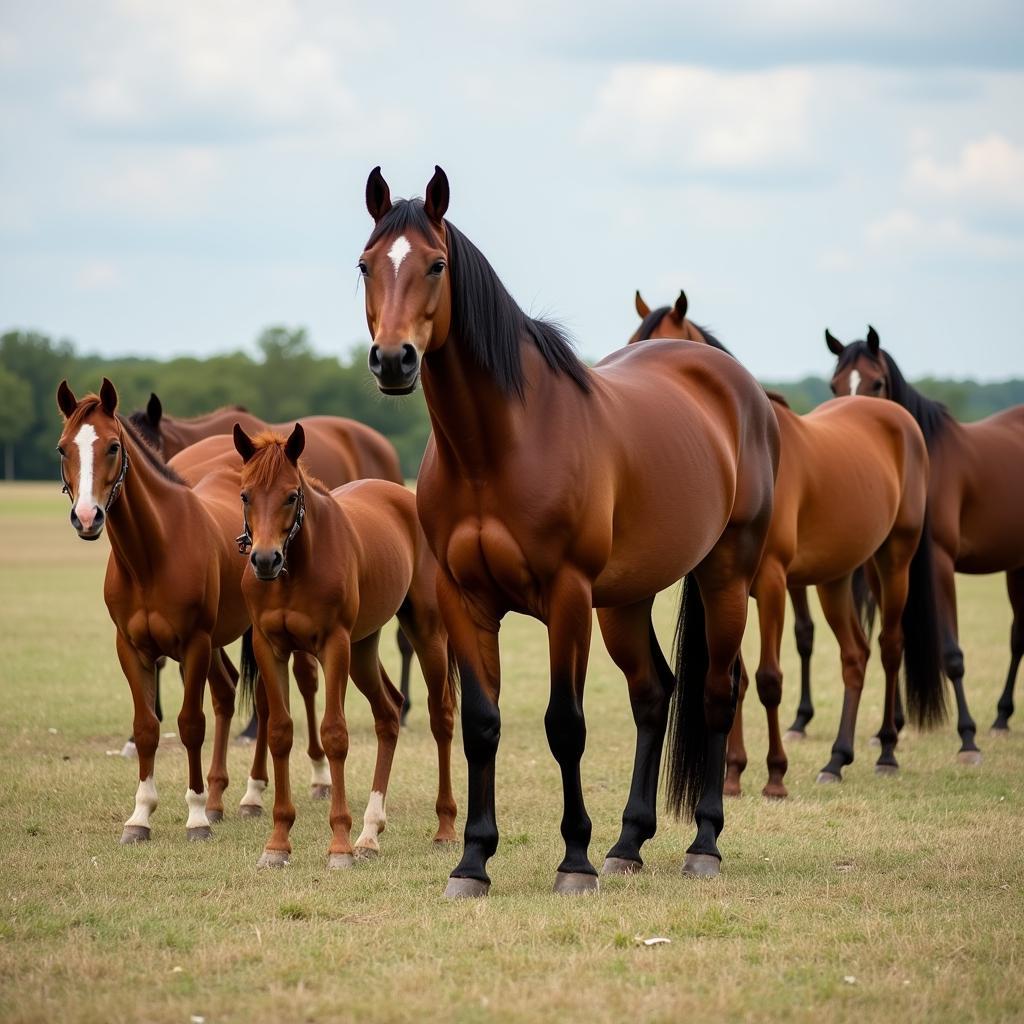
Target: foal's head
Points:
(272, 501)
(92, 457)
(664, 322)
(860, 369)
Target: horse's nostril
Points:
(410, 358)
(375, 359)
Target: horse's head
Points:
(147, 423)
(860, 367)
(272, 497)
(93, 461)
(405, 270)
(664, 322)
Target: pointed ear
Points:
(295, 444)
(378, 195)
(642, 309)
(108, 397)
(243, 443)
(435, 202)
(66, 400)
(835, 346)
(154, 410)
(874, 343)
(679, 309)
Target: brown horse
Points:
(551, 488)
(975, 495)
(327, 571)
(172, 586)
(822, 531)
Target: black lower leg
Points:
(1004, 709)
(567, 735)
(953, 664)
(842, 749)
(804, 631)
(406, 649)
(710, 812)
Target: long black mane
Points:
(649, 325)
(485, 317)
(931, 416)
(149, 453)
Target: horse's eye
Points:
(877, 386)
(245, 498)
(291, 499)
(114, 449)
(437, 268)
(363, 268)
(61, 452)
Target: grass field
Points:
(880, 899)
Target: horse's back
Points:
(367, 454)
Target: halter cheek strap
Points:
(244, 539)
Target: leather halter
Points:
(244, 539)
(115, 491)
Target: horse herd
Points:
(548, 488)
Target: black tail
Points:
(687, 740)
(249, 674)
(864, 601)
(926, 696)
(453, 674)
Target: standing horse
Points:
(975, 495)
(822, 530)
(550, 489)
(327, 571)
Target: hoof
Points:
(214, 816)
(874, 742)
(775, 791)
(999, 732)
(445, 841)
(621, 866)
(318, 791)
(366, 853)
(887, 769)
(129, 749)
(702, 865)
(794, 736)
(465, 888)
(573, 883)
(826, 778)
(971, 757)
(199, 834)
(274, 859)
(250, 810)
(133, 834)
(340, 861)
(731, 788)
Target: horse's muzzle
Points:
(267, 565)
(397, 369)
(94, 528)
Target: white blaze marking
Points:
(85, 439)
(196, 810)
(145, 803)
(253, 793)
(320, 773)
(854, 381)
(374, 821)
(400, 248)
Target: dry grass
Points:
(910, 886)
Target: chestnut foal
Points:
(328, 570)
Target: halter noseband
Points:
(244, 539)
(115, 491)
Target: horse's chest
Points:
(484, 557)
(288, 630)
(154, 635)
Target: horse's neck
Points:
(691, 332)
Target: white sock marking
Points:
(374, 821)
(400, 248)
(196, 809)
(854, 381)
(320, 773)
(253, 793)
(145, 803)
(85, 439)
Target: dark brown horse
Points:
(975, 496)
(550, 489)
(327, 571)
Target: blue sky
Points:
(175, 176)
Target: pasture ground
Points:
(883, 898)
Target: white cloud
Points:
(988, 171)
(97, 275)
(906, 232)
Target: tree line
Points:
(285, 380)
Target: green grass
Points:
(911, 886)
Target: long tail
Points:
(687, 730)
(864, 601)
(926, 696)
(249, 674)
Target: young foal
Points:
(327, 571)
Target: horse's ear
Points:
(66, 401)
(295, 444)
(874, 343)
(835, 346)
(108, 397)
(642, 309)
(378, 195)
(243, 443)
(679, 309)
(154, 410)
(435, 202)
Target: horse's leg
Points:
(153, 697)
(304, 670)
(248, 734)
(274, 671)
(803, 630)
(892, 563)
(837, 605)
(222, 691)
(570, 620)
(336, 656)
(735, 748)
(146, 731)
(385, 702)
(252, 802)
(770, 591)
(1015, 590)
(405, 647)
(629, 637)
(192, 731)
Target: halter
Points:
(115, 491)
(244, 539)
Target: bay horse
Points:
(550, 489)
(975, 496)
(172, 586)
(822, 531)
(327, 570)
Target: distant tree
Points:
(15, 415)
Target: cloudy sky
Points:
(176, 175)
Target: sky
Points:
(175, 176)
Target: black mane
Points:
(485, 317)
(650, 323)
(140, 422)
(149, 453)
(931, 416)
